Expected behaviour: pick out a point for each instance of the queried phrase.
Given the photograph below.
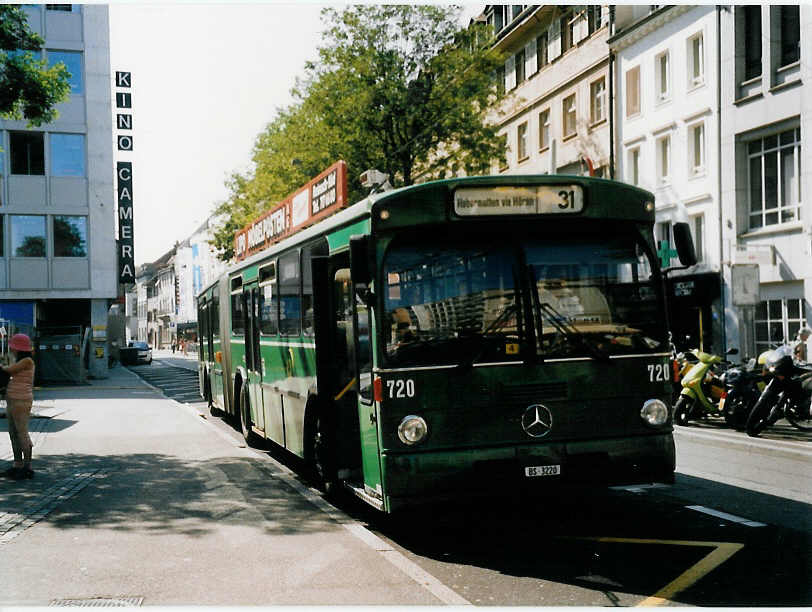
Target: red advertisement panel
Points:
(321, 197)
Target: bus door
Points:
(253, 355)
(335, 356)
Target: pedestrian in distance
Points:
(173, 347)
(19, 398)
(799, 350)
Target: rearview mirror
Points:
(359, 260)
(684, 244)
(359, 268)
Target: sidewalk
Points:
(140, 499)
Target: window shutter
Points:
(554, 38)
(510, 73)
(531, 59)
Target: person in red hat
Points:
(19, 398)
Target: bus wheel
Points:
(209, 397)
(251, 439)
(322, 462)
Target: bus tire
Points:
(251, 439)
(321, 454)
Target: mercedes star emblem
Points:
(537, 421)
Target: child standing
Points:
(19, 398)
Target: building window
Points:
(519, 63)
(662, 71)
(593, 18)
(73, 62)
(27, 152)
(541, 50)
(778, 321)
(2, 239)
(633, 91)
(497, 19)
(633, 166)
(67, 8)
(696, 148)
(664, 160)
(790, 20)
(696, 60)
(569, 116)
(503, 161)
(752, 41)
(67, 154)
(28, 235)
(544, 129)
(597, 100)
(663, 233)
(70, 236)
(567, 24)
(500, 80)
(517, 10)
(774, 164)
(521, 140)
(698, 226)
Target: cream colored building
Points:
(556, 118)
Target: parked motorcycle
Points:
(788, 394)
(701, 388)
(743, 387)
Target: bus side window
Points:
(268, 310)
(345, 339)
(364, 352)
(289, 297)
(237, 314)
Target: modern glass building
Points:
(58, 269)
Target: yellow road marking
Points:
(722, 551)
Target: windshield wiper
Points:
(496, 324)
(563, 326)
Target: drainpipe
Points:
(719, 171)
(611, 98)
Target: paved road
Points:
(734, 530)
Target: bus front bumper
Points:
(417, 477)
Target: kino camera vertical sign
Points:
(124, 177)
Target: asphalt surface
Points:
(142, 498)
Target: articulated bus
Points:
(455, 338)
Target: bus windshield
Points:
(469, 302)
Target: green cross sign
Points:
(666, 253)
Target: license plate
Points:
(542, 470)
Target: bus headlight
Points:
(654, 412)
(412, 429)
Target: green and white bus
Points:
(455, 338)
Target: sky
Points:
(206, 80)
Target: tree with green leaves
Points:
(29, 89)
(400, 88)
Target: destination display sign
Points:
(321, 197)
(529, 200)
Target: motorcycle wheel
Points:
(793, 414)
(759, 418)
(735, 407)
(683, 409)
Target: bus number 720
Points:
(400, 388)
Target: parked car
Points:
(136, 352)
